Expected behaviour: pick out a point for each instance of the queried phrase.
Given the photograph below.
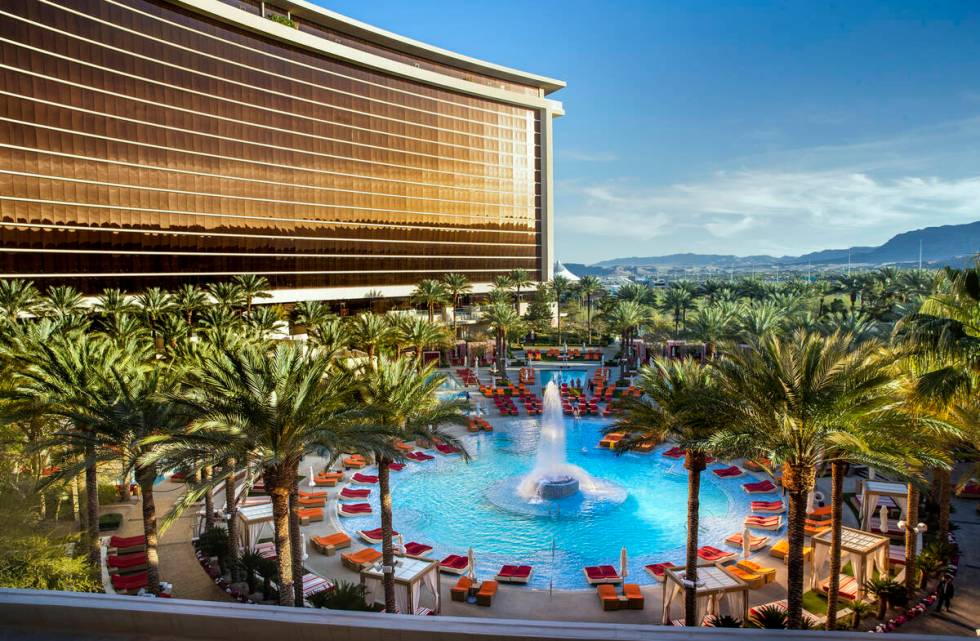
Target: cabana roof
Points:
(711, 579)
(856, 541)
(884, 488)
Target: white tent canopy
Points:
(414, 579)
(715, 587)
(255, 522)
(874, 493)
(561, 270)
(867, 553)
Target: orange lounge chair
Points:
(755, 542)
(781, 550)
(328, 479)
(751, 579)
(813, 528)
(634, 598)
(773, 522)
(355, 462)
(361, 559)
(461, 590)
(311, 501)
(308, 515)
(607, 596)
(768, 574)
(330, 543)
(488, 589)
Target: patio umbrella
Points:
(883, 525)
(810, 497)
(623, 570)
(302, 545)
(312, 476)
(746, 543)
(472, 559)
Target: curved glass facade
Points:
(143, 144)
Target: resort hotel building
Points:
(156, 142)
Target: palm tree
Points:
(560, 287)
(17, 298)
(677, 300)
(153, 304)
(252, 286)
(519, 279)
(430, 293)
(792, 400)
(589, 287)
(113, 302)
(457, 286)
(759, 320)
(681, 402)
(228, 295)
(310, 313)
(712, 324)
(503, 320)
(370, 332)
(626, 318)
(848, 284)
(401, 403)
(62, 302)
(188, 300)
(272, 409)
(636, 292)
(422, 334)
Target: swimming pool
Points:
(566, 375)
(453, 505)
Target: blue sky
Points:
(737, 127)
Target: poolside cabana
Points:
(414, 579)
(715, 586)
(872, 492)
(255, 523)
(867, 553)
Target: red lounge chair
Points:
(127, 542)
(514, 574)
(128, 582)
(373, 537)
(759, 487)
(771, 507)
(713, 554)
(675, 452)
(658, 570)
(596, 574)
(442, 448)
(351, 493)
(755, 542)
(419, 456)
(417, 550)
(455, 564)
(396, 467)
(969, 490)
(364, 479)
(126, 564)
(314, 583)
(773, 522)
(728, 472)
(353, 509)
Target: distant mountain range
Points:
(946, 245)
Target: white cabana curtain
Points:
(431, 581)
(671, 590)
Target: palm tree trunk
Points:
(92, 507)
(588, 317)
(387, 549)
(296, 541)
(836, 505)
(231, 511)
(146, 476)
(75, 507)
(794, 559)
(911, 519)
(279, 488)
(501, 362)
(943, 500)
(207, 474)
(455, 305)
(694, 464)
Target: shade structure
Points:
(866, 552)
(255, 524)
(416, 585)
(717, 590)
(875, 494)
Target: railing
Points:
(54, 616)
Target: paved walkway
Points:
(178, 565)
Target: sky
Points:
(750, 127)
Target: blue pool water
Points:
(545, 376)
(453, 505)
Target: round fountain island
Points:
(558, 488)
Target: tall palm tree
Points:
(228, 295)
(589, 288)
(311, 313)
(677, 300)
(271, 409)
(681, 402)
(848, 284)
(430, 293)
(712, 324)
(252, 286)
(626, 318)
(792, 400)
(113, 302)
(371, 332)
(421, 334)
(519, 279)
(457, 285)
(153, 304)
(17, 298)
(503, 321)
(401, 403)
(560, 287)
(189, 300)
(62, 302)
(759, 320)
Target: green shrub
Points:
(108, 494)
(109, 522)
(345, 595)
(281, 20)
(769, 617)
(39, 563)
(725, 621)
(214, 542)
